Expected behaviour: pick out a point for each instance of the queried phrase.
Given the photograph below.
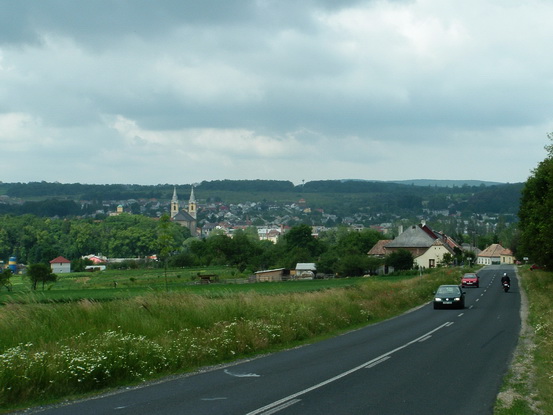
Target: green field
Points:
(117, 284)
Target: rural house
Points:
(60, 265)
(507, 256)
(427, 247)
(495, 254)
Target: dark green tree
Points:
(352, 265)
(299, 245)
(80, 264)
(536, 221)
(40, 273)
(400, 260)
(5, 276)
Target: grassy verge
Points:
(52, 351)
(528, 387)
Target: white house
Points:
(60, 265)
(433, 256)
(491, 255)
(427, 247)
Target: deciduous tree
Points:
(5, 276)
(536, 221)
(40, 273)
(400, 260)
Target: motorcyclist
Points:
(505, 278)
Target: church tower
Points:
(192, 205)
(174, 203)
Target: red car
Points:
(470, 280)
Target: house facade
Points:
(491, 255)
(427, 247)
(60, 265)
(507, 257)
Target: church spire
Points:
(192, 205)
(174, 203)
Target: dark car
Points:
(449, 296)
(470, 280)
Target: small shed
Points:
(272, 275)
(60, 265)
(306, 270)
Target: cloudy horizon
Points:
(141, 92)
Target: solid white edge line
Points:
(377, 362)
(344, 374)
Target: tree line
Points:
(536, 220)
(34, 240)
(335, 196)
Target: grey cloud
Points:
(26, 21)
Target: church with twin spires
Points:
(182, 216)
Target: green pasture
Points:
(121, 284)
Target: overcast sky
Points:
(181, 91)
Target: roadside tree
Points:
(536, 205)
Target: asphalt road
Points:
(424, 362)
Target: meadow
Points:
(73, 338)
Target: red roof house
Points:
(60, 265)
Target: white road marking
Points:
(373, 364)
(264, 410)
(280, 407)
(241, 375)
(214, 399)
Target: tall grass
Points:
(539, 286)
(49, 351)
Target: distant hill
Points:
(447, 183)
(344, 198)
(433, 182)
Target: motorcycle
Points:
(506, 286)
